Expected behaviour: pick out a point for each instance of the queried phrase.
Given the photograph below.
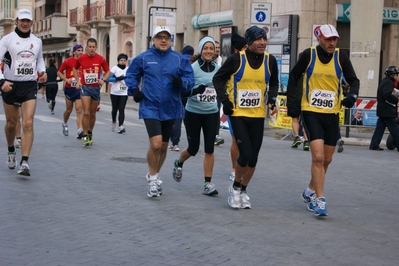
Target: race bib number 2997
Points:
(249, 98)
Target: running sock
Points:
(11, 149)
(243, 188)
(236, 184)
(24, 158)
(309, 191)
(89, 132)
(179, 164)
(208, 179)
(153, 177)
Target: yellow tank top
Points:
(321, 83)
(247, 88)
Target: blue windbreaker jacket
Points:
(156, 69)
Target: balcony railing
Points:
(75, 16)
(53, 26)
(94, 12)
(6, 17)
(119, 8)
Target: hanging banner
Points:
(281, 119)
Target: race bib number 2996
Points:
(322, 99)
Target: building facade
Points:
(126, 26)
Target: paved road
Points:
(88, 205)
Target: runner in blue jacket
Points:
(163, 74)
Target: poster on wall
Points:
(225, 41)
(165, 18)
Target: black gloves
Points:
(137, 95)
(348, 102)
(293, 111)
(120, 78)
(200, 90)
(177, 82)
(228, 108)
(272, 102)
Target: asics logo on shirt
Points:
(250, 94)
(23, 64)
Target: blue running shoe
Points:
(310, 201)
(320, 209)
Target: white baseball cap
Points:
(159, 29)
(24, 14)
(326, 31)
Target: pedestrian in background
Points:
(118, 93)
(51, 84)
(188, 51)
(240, 44)
(387, 104)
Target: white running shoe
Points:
(210, 189)
(121, 130)
(154, 187)
(11, 163)
(234, 198)
(17, 143)
(113, 125)
(174, 148)
(79, 135)
(65, 129)
(24, 169)
(245, 204)
(232, 175)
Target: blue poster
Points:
(369, 118)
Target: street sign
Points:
(261, 13)
(389, 14)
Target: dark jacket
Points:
(52, 75)
(386, 102)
